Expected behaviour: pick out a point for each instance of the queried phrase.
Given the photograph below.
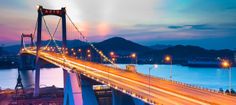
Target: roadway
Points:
(137, 85)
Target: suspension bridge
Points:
(128, 88)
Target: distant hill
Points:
(195, 51)
(160, 46)
(154, 54)
(119, 44)
(182, 53)
(11, 50)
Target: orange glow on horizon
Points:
(84, 28)
(103, 29)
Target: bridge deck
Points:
(161, 91)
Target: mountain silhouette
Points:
(119, 44)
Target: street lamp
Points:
(113, 59)
(88, 51)
(134, 56)
(168, 59)
(227, 65)
(149, 75)
(88, 54)
(74, 54)
(112, 55)
(80, 52)
(89, 57)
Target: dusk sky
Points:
(206, 23)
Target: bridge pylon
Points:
(41, 13)
(27, 36)
(26, 62)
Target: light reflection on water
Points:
(213, 78)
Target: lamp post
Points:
(88, 55)
(149, 75)
(168, 59)
(112, 55)
(134, 57)
(227, 65)
(80, 52)
(74, 54)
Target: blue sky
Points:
(206, 23)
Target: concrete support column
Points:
(139, 102)
(119, 98)
(72, 90)
(88, 94)
(37, 73)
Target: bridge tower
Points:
(26, 62)
(41, 13)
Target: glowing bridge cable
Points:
(81, 34)
(52, 36)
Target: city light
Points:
(79, 50)
(88, 51)
(133, 55)
(168, 58)
(225, 64)
(112, 53)
(89, 55)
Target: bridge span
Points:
(159, 91)
(128, 88)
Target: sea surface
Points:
(212, 78)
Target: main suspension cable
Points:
(98, 51)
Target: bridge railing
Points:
(184, 84)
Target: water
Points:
(48, 77)
(213, 78)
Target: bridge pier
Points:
(88, 94)
(119, 98)
(78, 90)
(37, 77)
(72, 89)
(41, 13)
